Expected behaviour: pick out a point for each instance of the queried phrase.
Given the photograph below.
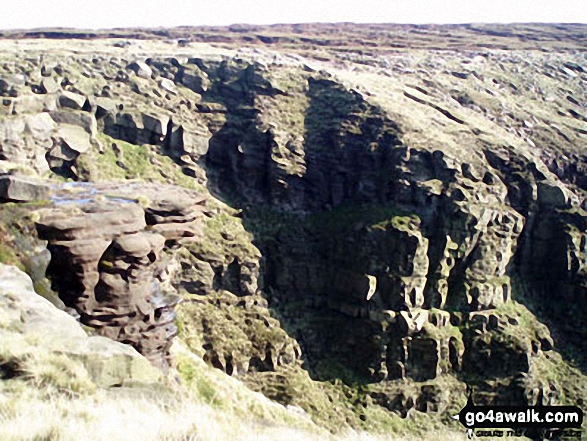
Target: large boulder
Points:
(71, 141)
(30, 324)
(141, 69)
(49, 85)
(24, 140)
(156, 124)
(72, 100)
(21, 189)
(192, 77)
(27, 104)
(85, 120)
(135, 127)
(10, 85)
(186, 141)
(75, 138)
(40, 125)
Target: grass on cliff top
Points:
(133, 162)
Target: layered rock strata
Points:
(402, 256)
(111, 251)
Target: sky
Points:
(91, 14)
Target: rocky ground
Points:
(365, 224)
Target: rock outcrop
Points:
(14, 188)
(388, 214)
(112, 252)
(415, 246)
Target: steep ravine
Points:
(389, 262)
(357, 243)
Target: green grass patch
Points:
(225, 238)
(120, 161)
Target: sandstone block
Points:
(21, 189)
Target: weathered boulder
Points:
(68, 144)
(183, 141)
(85, 120)
(10, 85)
(40, 126)
(136, 127)
(27, 104)
(156, 124)
(175, 217)
(72, 100)
(192, 77)
(141, 69)
(25, 139)
(113, 285)
(44, 332)
(74, 138)
(49, 85)
(102, 106)
(168, 85)
(21, 189)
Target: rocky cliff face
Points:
(405, 255)
(411, 223)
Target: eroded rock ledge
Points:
(107, 261)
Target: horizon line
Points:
(244, 24)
